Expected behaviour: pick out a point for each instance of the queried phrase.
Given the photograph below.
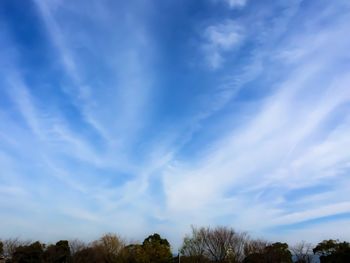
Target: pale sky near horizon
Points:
(146, 116)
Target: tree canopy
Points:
(333, 251)
(202, 245)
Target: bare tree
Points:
(220, 244)
(76, 245)
(302, 252)
(255, 246)
(193, 245)
(11, 244)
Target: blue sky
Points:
(148, 116)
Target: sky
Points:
(147, 116)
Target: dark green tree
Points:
(278, 253)
(254, 258)
(333, 251)
(325, 248)
(29, 254)
(154, 249)
(274, 253)
(133, 253)
(59, 253)
(1, 249)
(157, 249)
(90, 255)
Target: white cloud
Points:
(296, 139)
(236, 3)
(337, 229)
(233, 4)
(221, 38)
(283, 143)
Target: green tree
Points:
(325, 248)
(134, 253)
(29, 254)
(274, 253)
(90, 255)
(278, 253)
(157, 249)
(59, 253)
(154, 249)
(333, 251)
(254, 258)
(1, 249)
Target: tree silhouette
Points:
(332, 251)
(29, 254)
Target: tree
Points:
(302, 252)
(254, 250)
(1, 248)
(193, 248)
(110, 245)
(59, 253)
(278, 252)
(332, 251)
(134, 253)
(10, 245)
(255, 246)
(220, 244)
(29, 254)
(157, 249)
(76, 245)
(88, 254)
(274, 253)
(254, 258)
(325, 248)
(154, 249)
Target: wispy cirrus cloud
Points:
(249, 173)
(117, 119)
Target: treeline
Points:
(202, 245)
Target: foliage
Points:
(278, 252)
(29, 254)
(157, 249)
(154, 249)
(110, 245)
(89, 254)
(134, 253)
(59, 253)
(333, 251)
(203, 245)
(255, 246)
(274, 253)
